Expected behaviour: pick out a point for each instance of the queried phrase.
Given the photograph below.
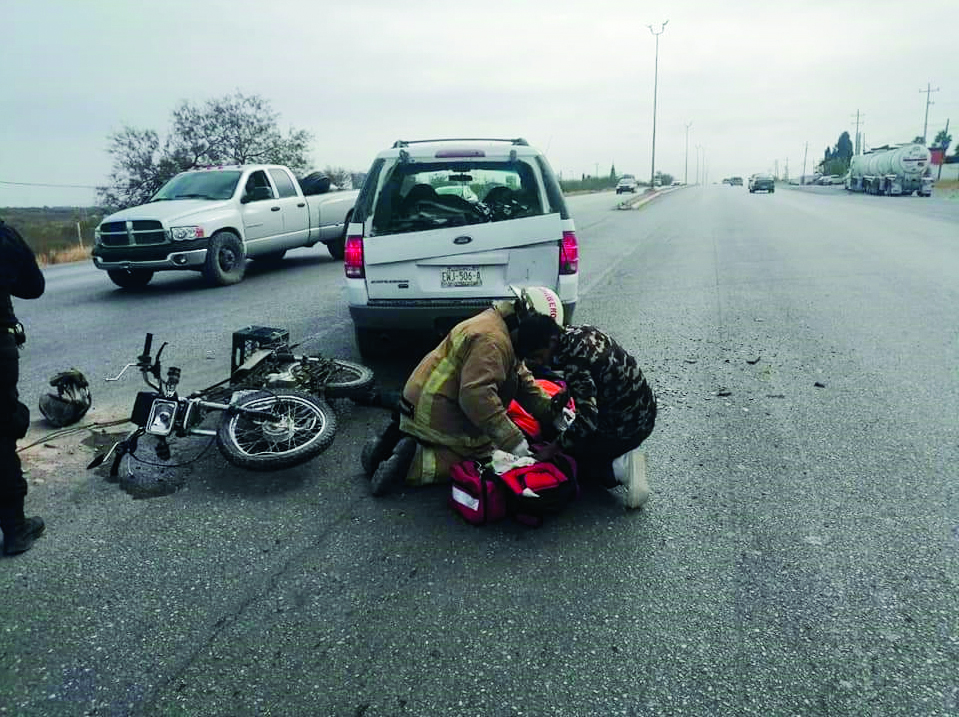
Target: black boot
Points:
(391, 473)
(379, 449)
(19, 532)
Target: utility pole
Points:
(686, 171)
(858, 143)
(802, 178)
(925, 124)
(652, 171)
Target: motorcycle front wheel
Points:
(302, 427)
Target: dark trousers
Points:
(595, 454)
(14, 422)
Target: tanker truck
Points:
(891, 170)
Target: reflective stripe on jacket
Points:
(460, 390)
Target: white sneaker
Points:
(631, 472)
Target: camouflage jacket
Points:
(611, 394)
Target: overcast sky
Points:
(757, 80)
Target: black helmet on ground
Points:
(71, 401)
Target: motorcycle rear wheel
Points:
(304, 427)
(350, 380)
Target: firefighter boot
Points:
(379, 449)
(391, 473)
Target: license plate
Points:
(160, 420)
(460, 276)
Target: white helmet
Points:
(540, 299)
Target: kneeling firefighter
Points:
(454, 405)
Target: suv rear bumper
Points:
(424, 315)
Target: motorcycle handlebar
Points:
(147, 344)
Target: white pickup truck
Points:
(212, 220)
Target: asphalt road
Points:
(799, 555)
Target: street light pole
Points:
(652, 171)
(686, 170)
(697, 164)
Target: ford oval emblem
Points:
(462, 240)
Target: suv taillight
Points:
(353, 257)
(569, 254)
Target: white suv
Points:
(443, 227)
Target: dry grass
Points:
(948, 189)
(64, 256)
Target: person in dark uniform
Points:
(20, 276)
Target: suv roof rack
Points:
(406, 142)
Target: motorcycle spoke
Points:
(296, 425)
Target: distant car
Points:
(627, 183)
(735, 181)
(762, 183)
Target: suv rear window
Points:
(417, 196)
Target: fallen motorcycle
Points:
(274, 410)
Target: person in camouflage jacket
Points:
(615, 407)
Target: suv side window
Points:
(364, 202)
(554, 194)
(284, 185)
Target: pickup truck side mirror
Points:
(258, 194)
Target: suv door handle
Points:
(301, 204)
(274, 209)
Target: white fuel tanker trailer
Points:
(894, 171)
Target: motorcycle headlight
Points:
(186, 233)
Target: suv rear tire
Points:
(366, 342)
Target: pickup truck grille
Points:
(140, 233)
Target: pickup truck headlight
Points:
(186, 233)
(96, 235)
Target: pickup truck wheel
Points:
(337, 248)
(225, 260)
(130, 279)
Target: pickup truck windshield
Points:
(199, 185)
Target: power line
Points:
(42, 184)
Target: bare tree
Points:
(236, 129)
